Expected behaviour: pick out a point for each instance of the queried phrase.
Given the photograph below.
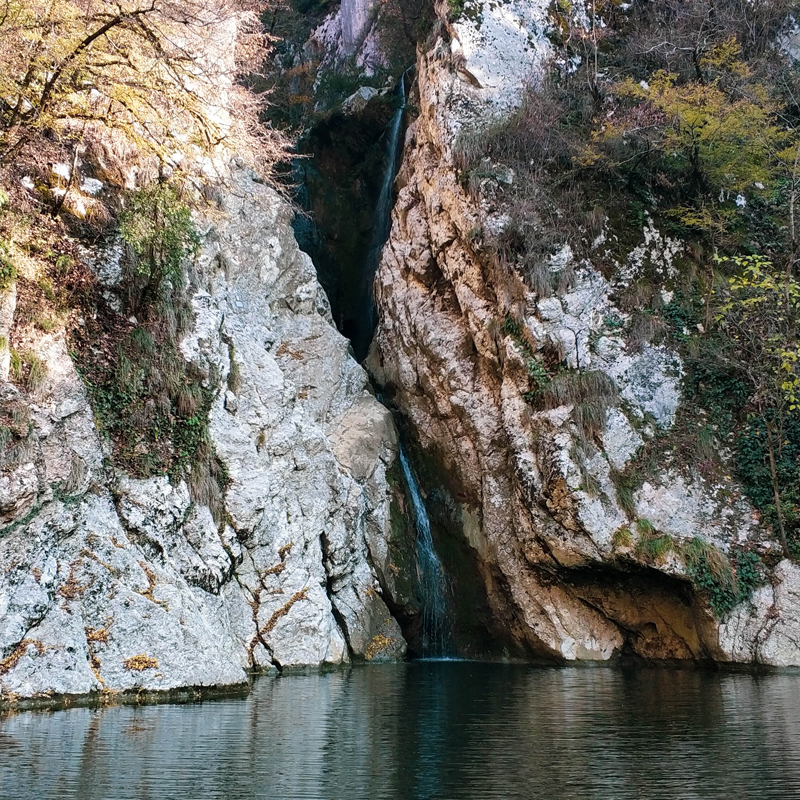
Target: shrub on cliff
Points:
(158, 229)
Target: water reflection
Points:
(427, 730)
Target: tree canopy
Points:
(160, 71)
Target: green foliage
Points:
(758, 314)
(311, 7)
(713, 382)
(64, 264)
(645, 527)
(650, 546)
(142, 341)
(151, 404)
(27, 369)
(139, 401)
(455, 8)
(625, 485)
(158, 228)
(536, 372)
(46, 324)
(336, 85)
(680, 317)
(8, 272)
(15, 367)
(756, 324)
(726, 582)
(701, 132)
(590, 393)
(751, 450)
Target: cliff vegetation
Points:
(116, 121)
(681, 117)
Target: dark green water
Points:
(427, 730)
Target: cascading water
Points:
(432, 580)
(433, 583)
(383, 208)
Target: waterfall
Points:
(394, 151)
(382, 217)
(431, 577)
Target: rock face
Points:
(532, 497)
(109, 583)
(349, 32)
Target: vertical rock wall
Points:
(109, 583)
(531, 497)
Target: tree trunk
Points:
(776, 492)
(61, 200)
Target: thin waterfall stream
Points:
(347, 260)
(383, 208)
(432, 579)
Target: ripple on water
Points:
(445, 730)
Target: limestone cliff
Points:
(564, 559)
(109, 583)
(113, 583)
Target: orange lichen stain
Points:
(379, 644)
(97, 634)
(151, 581)
(285, 350)
(285, 550)
(71, 588)
(283, 610)
(140, 663)
(11, 661)
(97, 559)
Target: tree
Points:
(758, 315)
(716, 134)
(706, 146)
(159, 71)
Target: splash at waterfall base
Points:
(433, 582)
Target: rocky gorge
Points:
(306, 554)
